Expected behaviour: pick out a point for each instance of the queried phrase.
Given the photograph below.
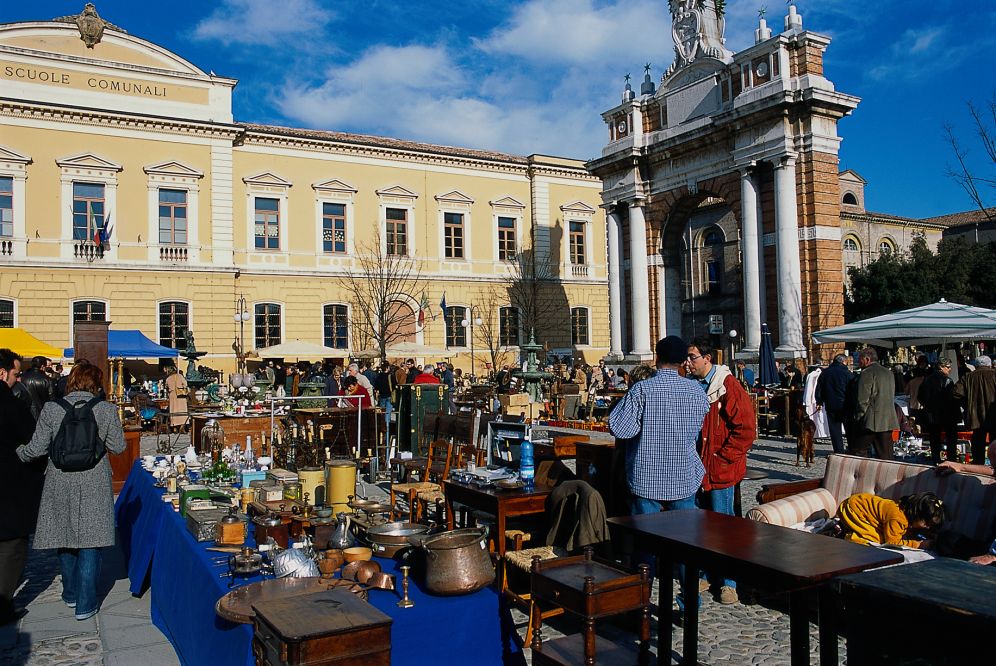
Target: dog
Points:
(807, 435)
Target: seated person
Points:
(351, 386)
(867, 518)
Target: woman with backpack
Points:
(77, 505)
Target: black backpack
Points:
(77, 446)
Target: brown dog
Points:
(807, 433)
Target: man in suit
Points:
(831, 390)
(875, 411)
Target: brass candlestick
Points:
(405, 601)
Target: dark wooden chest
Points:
(323, 629)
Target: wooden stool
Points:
(590, 589)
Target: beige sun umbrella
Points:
(301, 349)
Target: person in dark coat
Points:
(38, 385)
(831, 394)
(875, 408)
(940, 412)
(20, 486)
(976, 391)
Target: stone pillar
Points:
(640, 279)
(670, 287)
(750, 251)
(614, 261)
(787, 251)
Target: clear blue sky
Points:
(532, 76)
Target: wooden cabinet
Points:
(121, 463)
(333, 628)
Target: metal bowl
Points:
(294, 563)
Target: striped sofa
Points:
(970, 499)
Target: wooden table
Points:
(236, 428)
(767, 557)
(952, 600)
(503, 504)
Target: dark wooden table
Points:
(768, 557)
(504, 504)
(953, 601)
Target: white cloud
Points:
(262, 21)
(579, 32)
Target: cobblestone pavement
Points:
(122, 633)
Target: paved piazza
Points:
(122, 633)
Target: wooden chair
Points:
(427, 433)
(461, 455)
(437, 466)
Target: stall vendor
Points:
(177, 391)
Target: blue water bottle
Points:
(527, 469)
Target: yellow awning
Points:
(21, 342)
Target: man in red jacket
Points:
(728, 432)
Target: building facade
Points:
(130, 193)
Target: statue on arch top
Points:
(698, 27)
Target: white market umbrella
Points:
(406, 349)
(301, 349)
(934, 324)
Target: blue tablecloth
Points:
(186, 584)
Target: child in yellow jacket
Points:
(867, 518)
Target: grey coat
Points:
(77, 508)
(876, 409)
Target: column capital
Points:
(610, 207)
(786, 160)
(635, 203)
(747, 169)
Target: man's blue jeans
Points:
(641, 505)
(80, 570)
(385, 404)
(720, 501)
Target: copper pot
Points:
(456, 562)
(271, 525)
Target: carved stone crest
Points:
(697, 27)
(90, 25)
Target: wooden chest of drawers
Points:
(323, 629)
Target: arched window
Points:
(335, 320)
(851, 244)
(850, 199)
(713, 236)
(89, 311)
(174, 319)
(6, 313)
(267, 324)
(508, 326)
(456, 334)
(886, 246)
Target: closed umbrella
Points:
(767, 371)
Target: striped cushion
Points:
(969, 499)
(803, 507)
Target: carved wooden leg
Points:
(589, 622)
(644, 657)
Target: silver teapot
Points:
(342, 537)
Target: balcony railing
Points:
(172, 253)
(579, 270)
(6, 247)
(88, 250)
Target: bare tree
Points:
(489, 330)
(977, 186)
(540, 299)
(378, 283)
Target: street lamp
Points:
(241, 317)
(470, 323)
(733, 345)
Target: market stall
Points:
(132, 344)
(187, 583)
(21, 342)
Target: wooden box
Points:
(322, 629)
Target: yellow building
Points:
(122, 138)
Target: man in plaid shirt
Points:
(662, 416)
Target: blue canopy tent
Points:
(132, 344)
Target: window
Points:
(506, 239)
(334, 228)
(336, 326)
(577, 243)
(6, 313)
(712, 237)
(508, 327)
(267, 325)
(89, 311)
(579, 326)
(172, 217)
(850, 199)
(6, 207)
(267, 224)
(88, 210)
(174, 319)
(397, 231)
(850, 244)
(453, 235)
(714, 273)
(456, 334)
(885, 246)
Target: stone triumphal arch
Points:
(754, 133)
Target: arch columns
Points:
(640, 282)
(787, 253)
(751, 248)
(614, 261)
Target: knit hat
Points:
(672, 350)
